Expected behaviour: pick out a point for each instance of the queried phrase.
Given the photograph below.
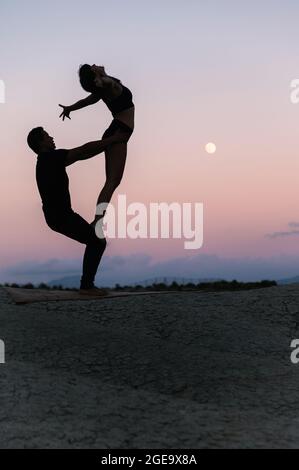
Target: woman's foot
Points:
(94, 291)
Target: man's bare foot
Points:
(95, 291)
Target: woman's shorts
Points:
(116, 125)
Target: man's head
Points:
(40, 141)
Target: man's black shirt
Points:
(53, 182)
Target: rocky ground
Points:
(184, 370)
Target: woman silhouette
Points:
(118, 99)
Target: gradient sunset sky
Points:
(200, 71)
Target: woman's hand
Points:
(66, 112)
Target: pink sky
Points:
(224, 78)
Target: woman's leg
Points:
(115, 160)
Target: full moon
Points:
(210, 148)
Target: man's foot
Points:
(94, 291)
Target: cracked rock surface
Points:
(186, 370)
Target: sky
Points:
(200, 71)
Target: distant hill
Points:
(74, 281)
(290, 280)
(170, 279)
(68, 281)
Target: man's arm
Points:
(91, 149)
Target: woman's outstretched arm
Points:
(90, 99)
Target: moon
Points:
(210, 148)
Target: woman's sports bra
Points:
(122, 102)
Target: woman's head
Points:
(91, 77)
(99, 70)
(87, 77)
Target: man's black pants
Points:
(74, 226)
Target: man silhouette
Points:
(53, 185)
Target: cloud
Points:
(139, 267)
(294, 224)
(289, 233)
(282, 234)
(45, 271)
(49, 267)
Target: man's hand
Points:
(66, 112)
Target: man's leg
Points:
(92, 257)
(74, 226)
